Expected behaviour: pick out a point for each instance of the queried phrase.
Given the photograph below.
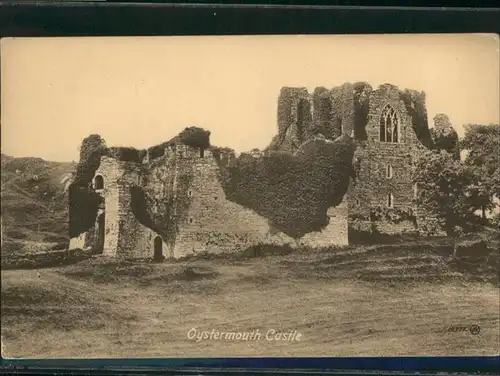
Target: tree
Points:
(482, 143)
(444, 191)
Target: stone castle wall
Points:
(332, 113)
(373, 183)
(212, 223)
(208, 222)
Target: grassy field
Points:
(357, 301)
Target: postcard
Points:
(250, 196)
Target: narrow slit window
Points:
(390, 200)
(389, 171)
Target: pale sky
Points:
(142, 91)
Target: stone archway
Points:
(158, 249)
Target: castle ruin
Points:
(206, 221)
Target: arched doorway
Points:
(158, 249)
(101, 232)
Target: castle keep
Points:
(186, 178)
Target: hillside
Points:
(34, 205)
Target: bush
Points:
(126, 154)
(191, 136)
(263, 250)
(158, 151)
(195, 137)
(293, 191)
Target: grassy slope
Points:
(33, 210)
(358, 301)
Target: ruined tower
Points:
(388, 147)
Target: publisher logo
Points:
(472, 329)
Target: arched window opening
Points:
(389, 171)
(390, 200)
(202, 153)
(190, 220)
(98, 182)
(389, 125)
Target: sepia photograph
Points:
(250, 196)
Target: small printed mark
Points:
(472, 329)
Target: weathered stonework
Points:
(383, 169)
(206, 220)
(186, 178)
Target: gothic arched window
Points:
(389, 125)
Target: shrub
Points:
(125, 154)
(195, 137)
(293, 191)
(158, 151)
(393, 215)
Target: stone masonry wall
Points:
(122, 231)
(372, 186)
(212, 223)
